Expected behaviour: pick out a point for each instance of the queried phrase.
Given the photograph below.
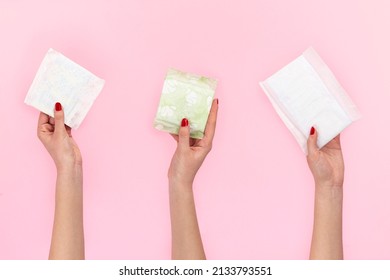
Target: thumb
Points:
(59, 125)
(312, 147)
(184, 134)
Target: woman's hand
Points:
(68, 234)
(57, 139)
(190, 153)
(327, 164)
(189, 156)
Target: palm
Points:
(195, 144)
(327, 164)
(197, 151)
(190, 153)
(61, 147)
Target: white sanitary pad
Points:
(59, 79)
(305, 93)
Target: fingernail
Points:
(184, 122)
(58, 106)
(217, 101)
(312, 130)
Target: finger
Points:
(42, 119)
(43, 125)
(312, 147)
(51, 120)
(175, 137)
(68, 130)
(47, 127)
(59, 119)
(193, 141)
(337, 139)
(211, 121)
(184, 135)
(334, 143)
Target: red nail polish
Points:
(312, 130)
(184, 122)
(58, 106)
(217, 101)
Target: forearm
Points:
(68, 233)
(186, 239)
(327, 230)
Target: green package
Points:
(188, 96)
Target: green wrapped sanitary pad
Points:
(188, 96)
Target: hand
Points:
(57, 139)
(327, 164)
(190, 153)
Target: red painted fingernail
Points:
(58, 106)
(184, 122)
(217, 101)
(312, 130)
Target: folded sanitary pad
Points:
(61, 80)
(305, 93)
(188, 96)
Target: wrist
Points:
(179, 186)
(69, 167)
(67, 162)
(329, 192)
(335, 181)
(180, 181)
(72, 172)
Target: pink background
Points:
(254, 193)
